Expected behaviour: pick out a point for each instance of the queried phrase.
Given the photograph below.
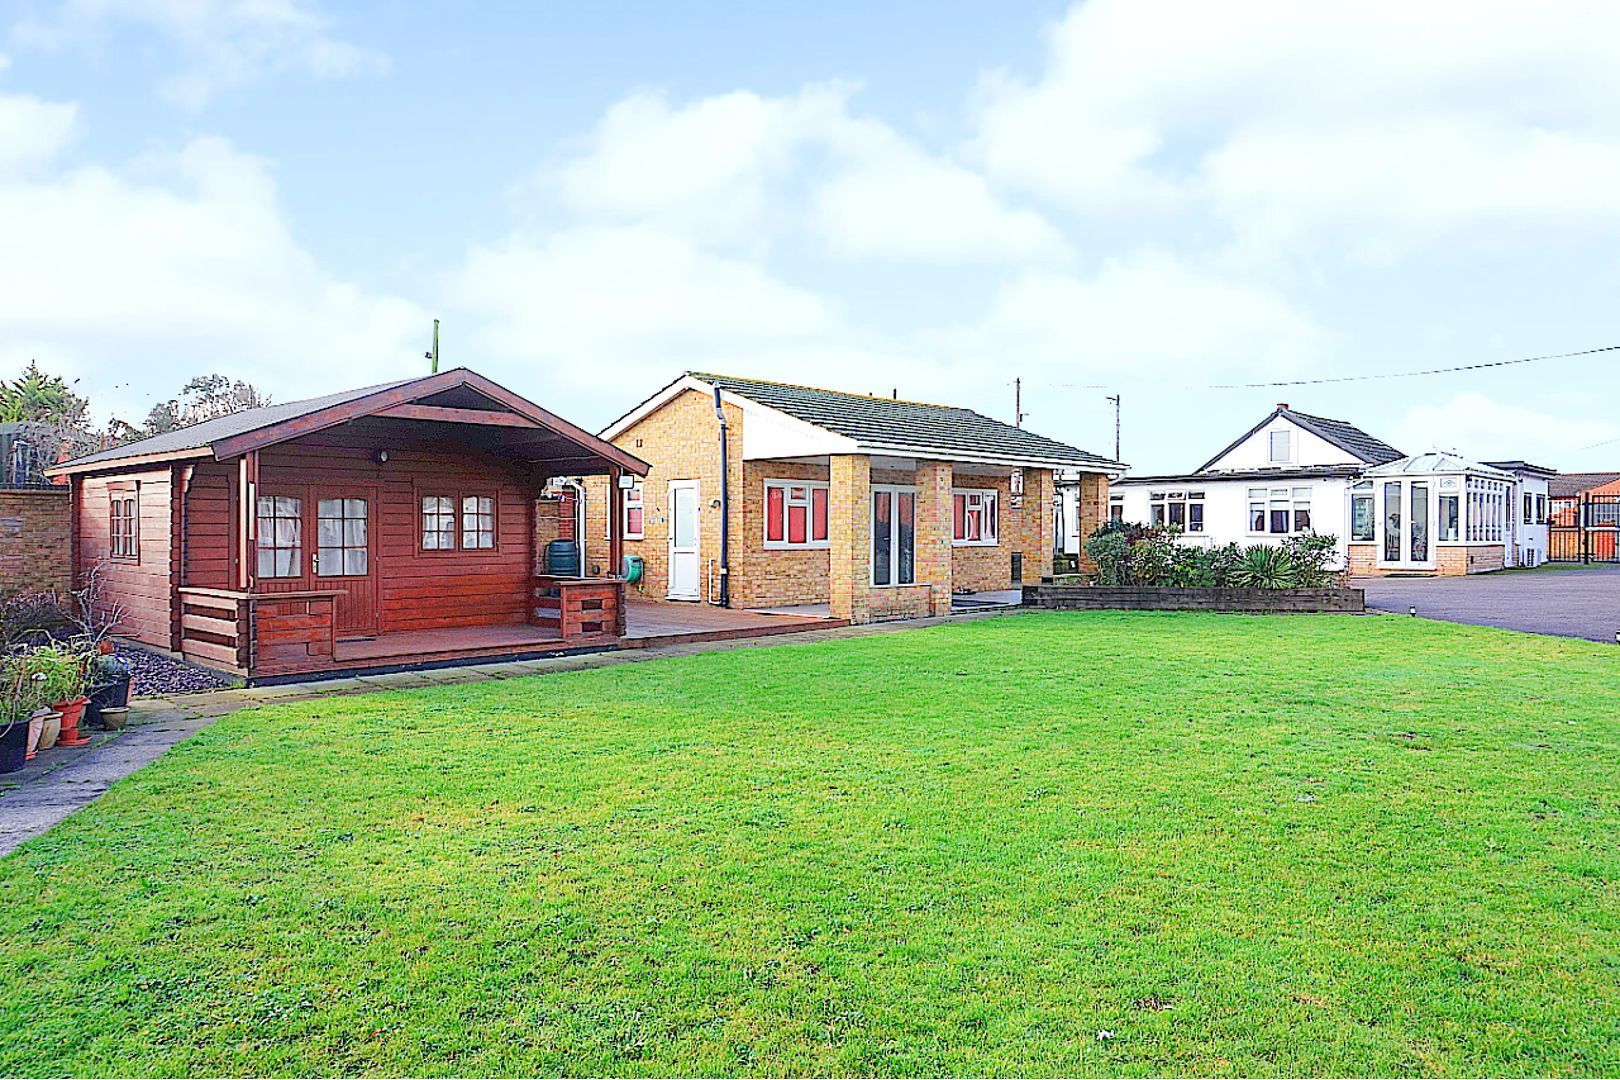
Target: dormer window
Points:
(1281, 448)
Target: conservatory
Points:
(1437, 513)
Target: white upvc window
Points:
(1362, 521)
(894, 535)
(1486, 520)
(1279, 511)
(1280, 445)
(974, 520)
(796, 513)
(1183, 510)
(635, 514)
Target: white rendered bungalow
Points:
(1443, 514)
(1289, 474)
(1294, 473)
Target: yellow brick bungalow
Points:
(764, 494)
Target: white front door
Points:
(683, 540)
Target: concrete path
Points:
(1579, 602)
(61, 781)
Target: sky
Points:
(1155, 199)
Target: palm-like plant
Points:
(1264, 567)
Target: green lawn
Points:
(1048, 844)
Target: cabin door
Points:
(683, 540)
(312, 537)
(343, 554)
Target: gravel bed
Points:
(158, 675)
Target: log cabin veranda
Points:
(386, 526)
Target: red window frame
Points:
(457, 518)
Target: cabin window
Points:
(635, 516)
(1541, 509)
(124, 524)
(894, 536)
(281, 532)
(438, 523)
(1280, 511)
(477, 522)
(1116, 508)
(973, 517)
(447, 519)
(796, 514)
(1529, 509)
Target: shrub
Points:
(34, 618)
(1110, 549)
(1313, 557)
(1264, 567)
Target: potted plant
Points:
(64, 671)
(109, 685)
(20, 698)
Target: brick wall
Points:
(1450, 560)
(1028, 529)
(35, 552)
(1093, 512)
(681, 442)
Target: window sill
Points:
(782, 545)
(975, 543)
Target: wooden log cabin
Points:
(384, 527)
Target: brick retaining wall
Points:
(1092, 598)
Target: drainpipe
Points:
(725, 507)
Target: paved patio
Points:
(1581, 602)
(61, 781)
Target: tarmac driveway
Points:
(1579, 602)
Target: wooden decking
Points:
(649, 625)
(679, 624)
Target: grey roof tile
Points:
(887, 421)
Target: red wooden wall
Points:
(413, 589)
(143, 586)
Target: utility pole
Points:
(1115, 399)
(433, 355)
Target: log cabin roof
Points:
(451, 391)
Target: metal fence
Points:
(1582, 528)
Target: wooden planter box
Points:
(1166, 598)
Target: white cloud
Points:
(741, 170)
(891, 200)
(1144, 316)
(1393, 125)
(181, 265)
(1483, 428)
(223, 43)
(628, 299)
(32, 131)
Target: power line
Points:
(1414, 374)
(1356, 378)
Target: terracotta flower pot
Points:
(50, 729)
(72, 713)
